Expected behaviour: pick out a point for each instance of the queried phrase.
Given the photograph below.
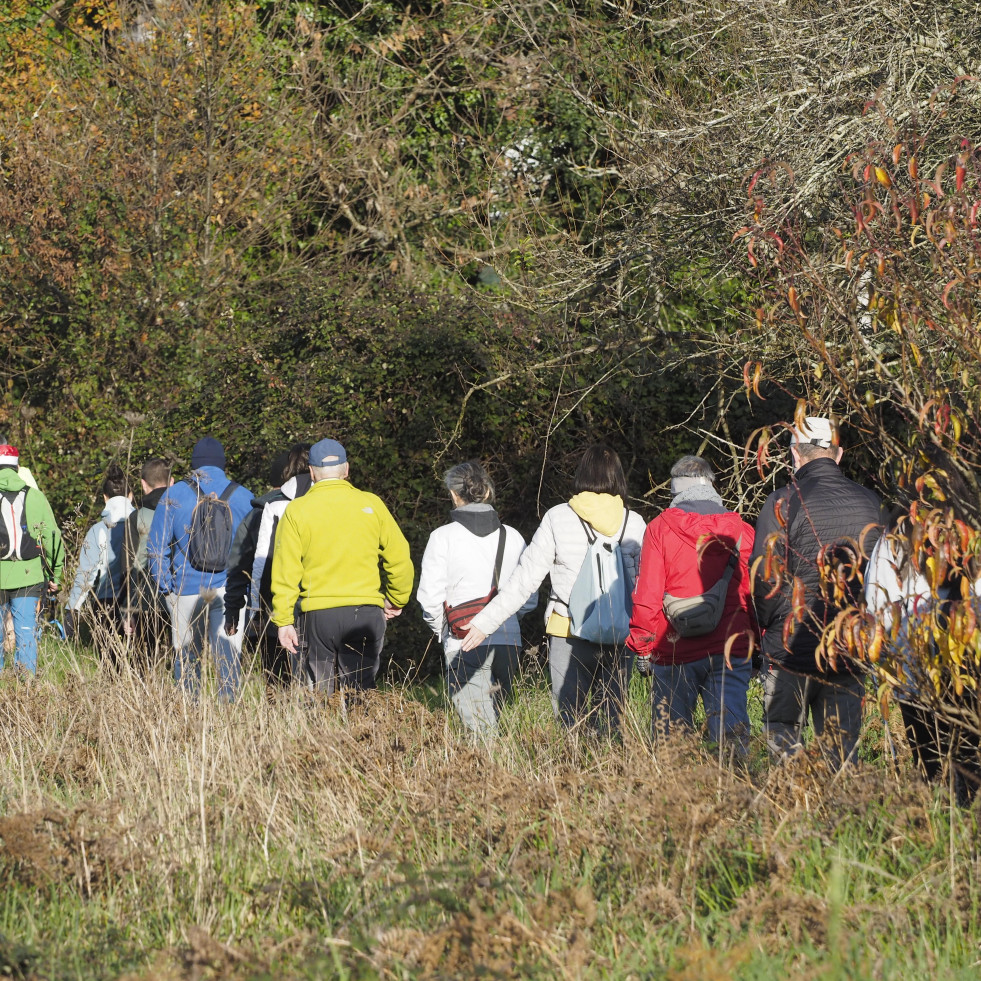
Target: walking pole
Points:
(802, 718)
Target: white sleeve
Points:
(882, 585)
(535, 564)
(514, 536)
(262, 544)
(92, 564)
(431, 592)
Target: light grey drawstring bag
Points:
(696, 616)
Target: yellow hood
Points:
(603, 511)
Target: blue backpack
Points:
(600, 602)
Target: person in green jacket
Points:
(340, 554)
(32, 556)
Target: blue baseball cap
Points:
(327, 453)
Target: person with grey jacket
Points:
(589, 680)
(145, 618)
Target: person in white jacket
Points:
(899, 596)
(588, 680)
(458, 566)
(101, 577)
(278, 665)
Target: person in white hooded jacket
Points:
(588, 679)
(102, 571)
(458, 566)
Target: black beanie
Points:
(208, 452)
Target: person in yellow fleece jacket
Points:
(588, 680)
(328, 546)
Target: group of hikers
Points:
(309, 573)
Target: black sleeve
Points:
(131, 538)
(240, 561)
(768, 611)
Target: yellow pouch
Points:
(558, 625)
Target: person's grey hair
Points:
(694, 467)
(336, 472)
(470, 482)
(808, 451)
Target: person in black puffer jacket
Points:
(821, 512)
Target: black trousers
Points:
(274, 660)
(342, 647)
(935, 742)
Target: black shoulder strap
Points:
(499, 559)
(588, 528)
(953, 584)
(195, 486)
(225, 494)
(131, 539)
(733, 561)
(591, 531)
(794, 504)
(228, 491)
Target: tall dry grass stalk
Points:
(273, 834)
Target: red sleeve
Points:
(648, 624)
(745, 584)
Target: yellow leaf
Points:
(875, 648)
(884, 693)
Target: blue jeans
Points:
(23, 609)
(677, 688)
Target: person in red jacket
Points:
(686, 552)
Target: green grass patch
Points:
(144, 835)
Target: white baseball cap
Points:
(817, 431)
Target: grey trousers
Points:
(588, 681)
(479, 682)
(198, 625)
(834, 702)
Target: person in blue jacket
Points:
(195, 597)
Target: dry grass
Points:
(275, 838)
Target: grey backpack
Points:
(696, 616)
(212, 529)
